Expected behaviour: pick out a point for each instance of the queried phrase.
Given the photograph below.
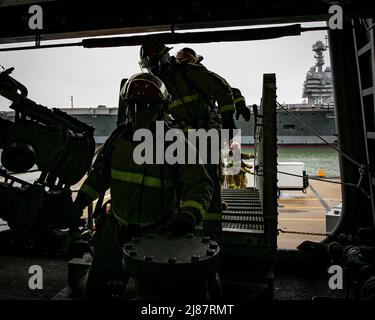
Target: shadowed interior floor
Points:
(14, 278)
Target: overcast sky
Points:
(92, 76)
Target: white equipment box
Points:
(286, 181)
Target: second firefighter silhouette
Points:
(188, 55)
(194, 91)
(145, 197)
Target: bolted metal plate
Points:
(171, 257)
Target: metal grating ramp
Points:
(244, 212)
(242, 224)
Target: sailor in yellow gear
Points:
(239, 181)
(145, 197)
(201, 99)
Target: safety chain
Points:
(303, 233)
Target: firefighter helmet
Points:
(188, 55)
(145, 96)
(152, 52)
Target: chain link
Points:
(303, 233)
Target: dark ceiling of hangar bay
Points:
(65, 18)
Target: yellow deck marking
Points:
(308, 199)
(301, 219)
(297, 199)
(304, 207)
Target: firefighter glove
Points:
(181, 224)
(244, 111)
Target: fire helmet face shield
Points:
(153, 55)
(146, 97)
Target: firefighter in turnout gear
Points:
(188, 55)
(239, 180)
(144, 197)
(200, 100)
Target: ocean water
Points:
(315, 159)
